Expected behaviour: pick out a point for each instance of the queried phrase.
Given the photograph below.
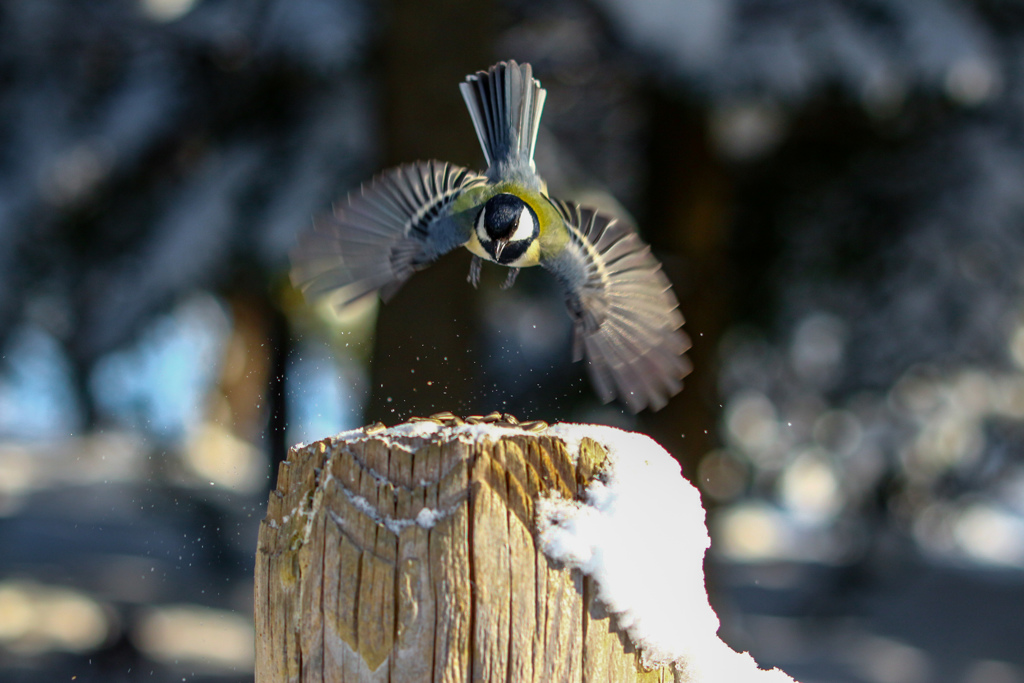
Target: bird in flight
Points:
(626, 320)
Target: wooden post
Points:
(411, 558)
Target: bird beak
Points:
(499, 246)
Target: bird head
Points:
(506, 227)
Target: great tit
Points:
(625, 316)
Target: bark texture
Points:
(396, 558)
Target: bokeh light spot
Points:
(809, 487)
(35, 618)
(167, 10)
(196, 636)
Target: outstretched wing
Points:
(398, 223)
(625, 316)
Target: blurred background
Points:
(836, 188)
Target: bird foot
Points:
(513, 273)
(474, 272)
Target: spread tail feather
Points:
(505, 103)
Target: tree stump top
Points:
(416, 553)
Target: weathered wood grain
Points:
(401, 559)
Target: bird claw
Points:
(513, 273)
(474, 271)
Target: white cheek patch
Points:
(481, 231)
(524, 231)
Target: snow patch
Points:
(639, 532)
(427, 518)
(400, 435)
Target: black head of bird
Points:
(506, 228)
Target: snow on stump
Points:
(486, 550)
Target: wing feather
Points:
(394, 225)
(626, 317)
